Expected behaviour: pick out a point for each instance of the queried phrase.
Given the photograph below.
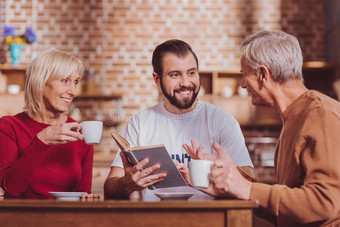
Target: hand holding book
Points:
(137, 177)
(146, 159)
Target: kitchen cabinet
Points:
(222, 88)
(318, 75)
(11, 104)
(215, 82)
(10, 75)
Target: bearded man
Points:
(180, 119)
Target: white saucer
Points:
(67, 196)
(174, 195)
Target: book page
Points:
(122, 143)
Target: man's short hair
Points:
(279, 51)
(174, 46)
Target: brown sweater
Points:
(307, 165)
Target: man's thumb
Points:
(221, 153)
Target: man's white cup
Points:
(92, 131)
(199, 171)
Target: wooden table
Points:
(213, 213)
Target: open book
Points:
(157, 155)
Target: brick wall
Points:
(332, 31)
(306, 20)
(116, 38)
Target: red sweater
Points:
(30, 169)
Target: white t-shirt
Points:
(205, 124)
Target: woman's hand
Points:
(61, 133)
(90, 197)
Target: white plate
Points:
(67, 196)
(174, 195)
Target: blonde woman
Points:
(41, 149)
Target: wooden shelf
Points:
(318, 65)
(8, 95)
(9, 67)
(223, 72)
(109, 121)
(320, 76)
(213, 82)
(212, 98)
(12, 75)
(99, 96)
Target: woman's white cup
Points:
(199, 171)
(92, 131)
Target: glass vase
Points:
(15, 50)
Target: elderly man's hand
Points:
(226, 178)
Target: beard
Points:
(184, 103)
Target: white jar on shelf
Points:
(242, 91)
(227, 91)
(13, 89)
(76, 115)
